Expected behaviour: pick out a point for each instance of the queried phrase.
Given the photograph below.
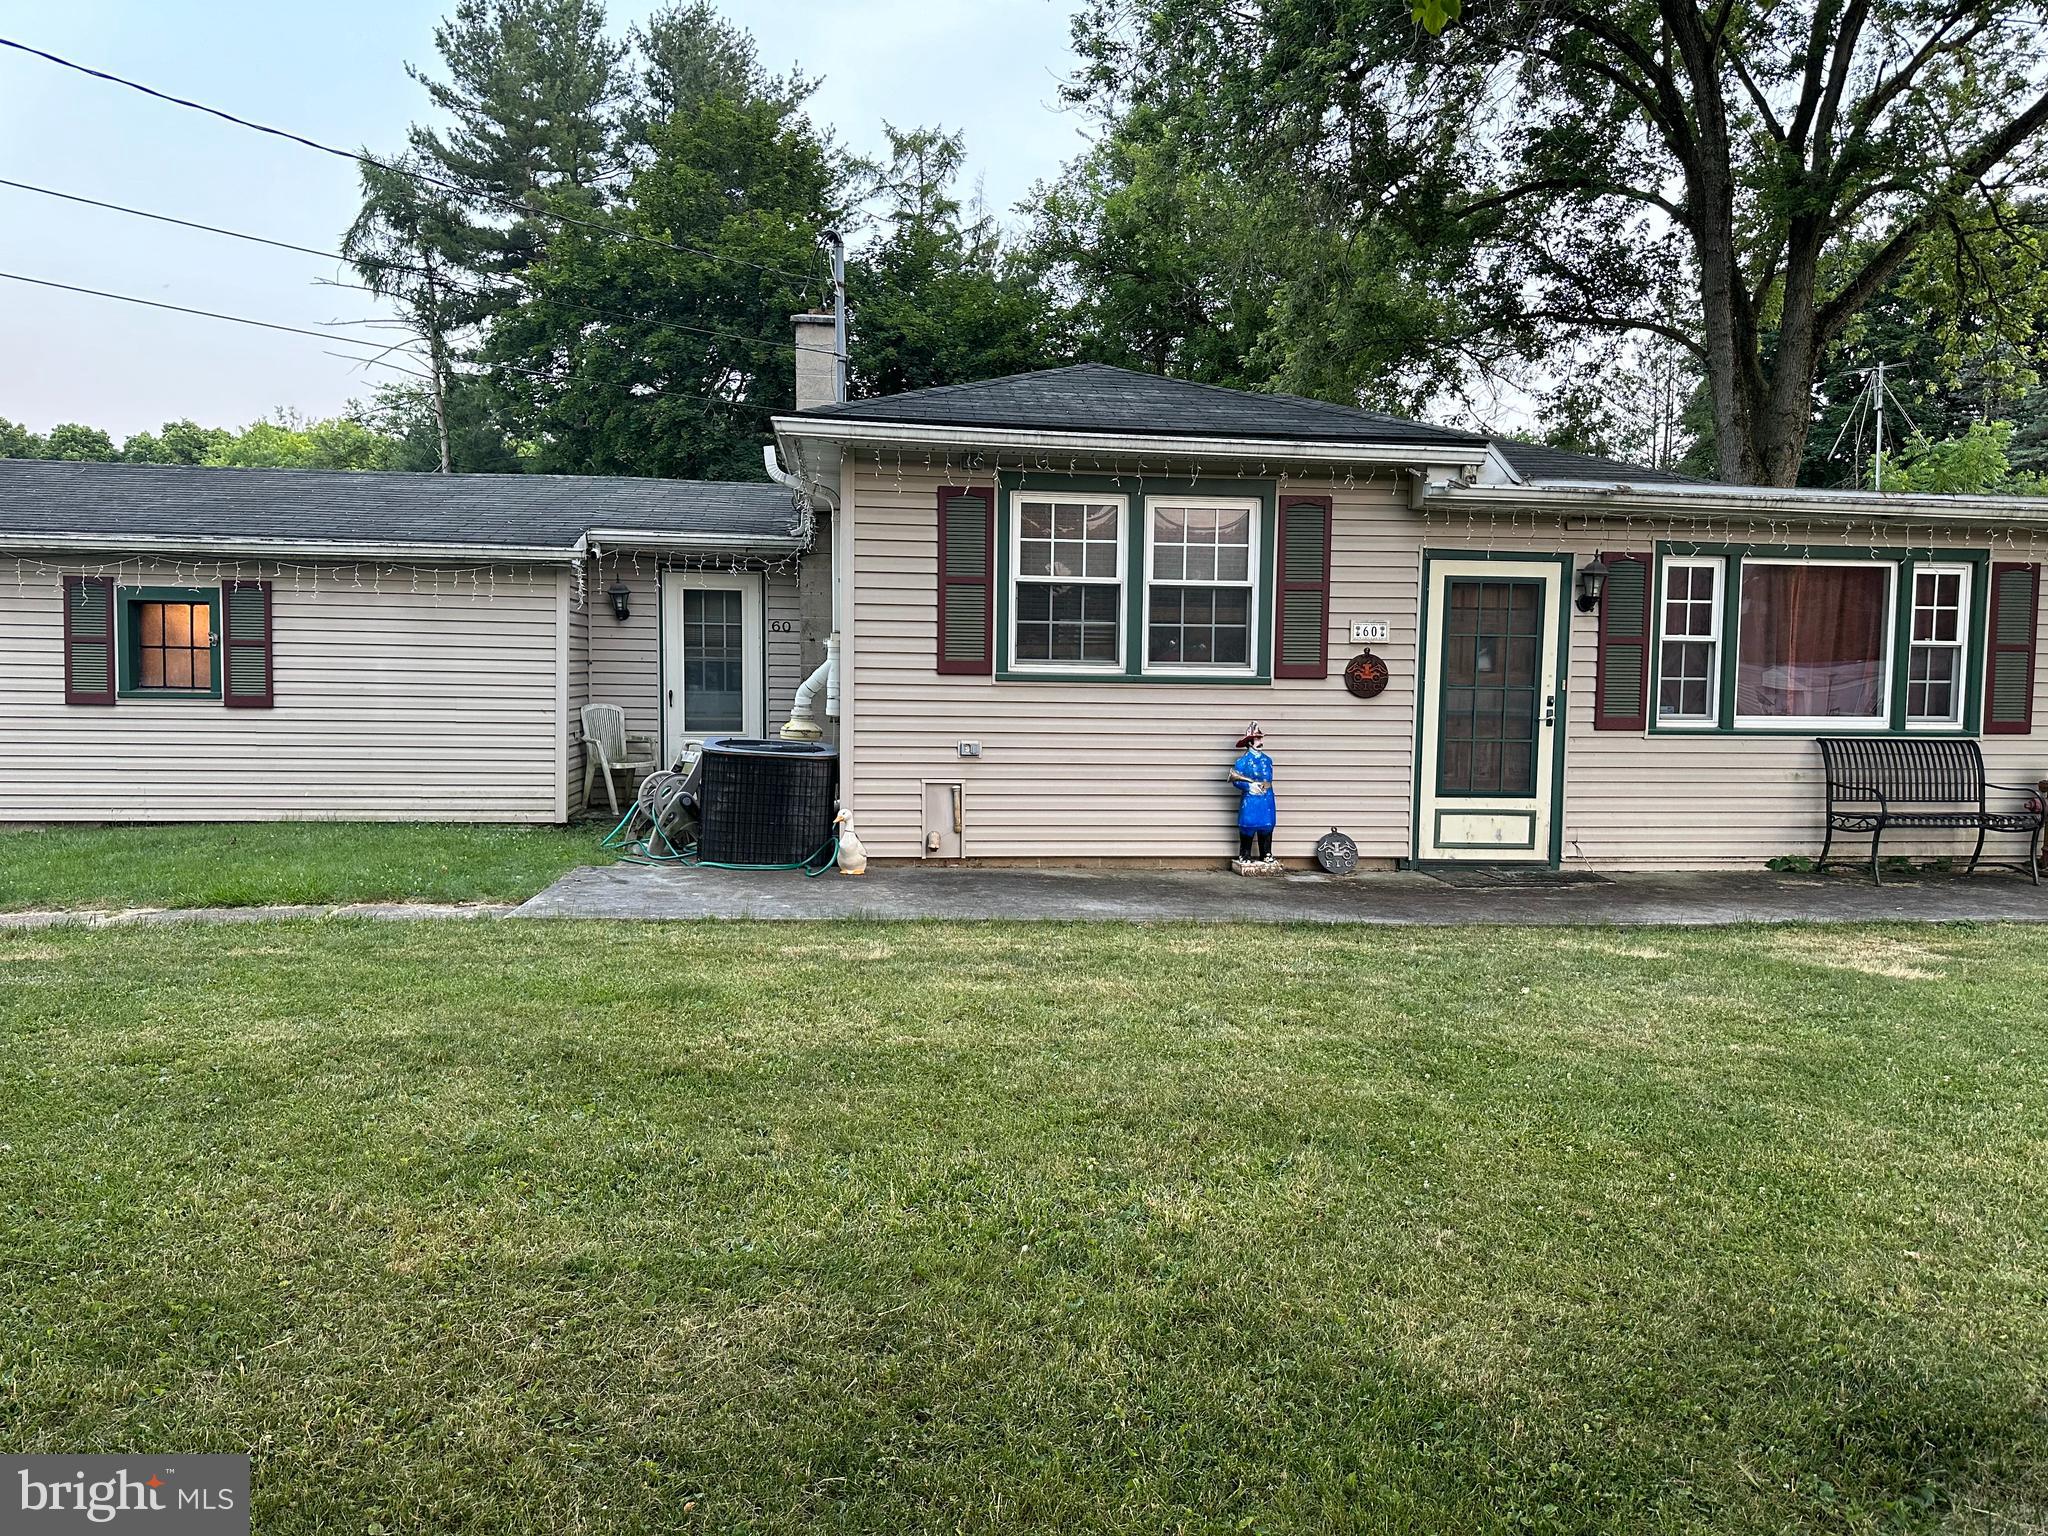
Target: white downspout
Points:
(780, 475)
(803, 723)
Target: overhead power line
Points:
(516, 204)
(637, 392)
(165, 218)
(400, 266)
(182, 309)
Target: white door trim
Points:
(1493, 829)
(676, 727)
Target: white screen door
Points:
(1491, 710)
(711, 666)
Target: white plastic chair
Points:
(607, 747)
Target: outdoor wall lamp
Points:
(1592, 582)
(621, 597)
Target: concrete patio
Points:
(670, 891)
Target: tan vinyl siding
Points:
(785, 656)
(625, 659)
(439, 703)
(1119, 770)
(1136, 770)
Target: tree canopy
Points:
(355, 440)
(1681, 231)
(1738, 181)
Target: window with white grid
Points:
(1689, 663)
(1934, 663)
(1067, 588)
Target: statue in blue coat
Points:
(1252, 773)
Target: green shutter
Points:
(245, 673)
(88, 640)
(2015, 615)
(1621, 688)
(966, 592)
(1301, 646)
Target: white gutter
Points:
(365, 549)
(325, 549)
(997, 439)
(618, 538)
(1623, 501)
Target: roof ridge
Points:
(523, 477)
(928, 390)
(1036, 394)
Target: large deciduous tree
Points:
(1740, 180)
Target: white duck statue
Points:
(853, 855)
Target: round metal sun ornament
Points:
(1336, 853)
(1366, 676)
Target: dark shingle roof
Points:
(291, 505)
(1536, 463)
(1094, 397)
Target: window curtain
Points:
(1812, 642)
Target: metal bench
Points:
(1876, 783)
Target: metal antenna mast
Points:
(1872, 399)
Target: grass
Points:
(616, 1228)
(240, 864)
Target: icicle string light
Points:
(485, 583)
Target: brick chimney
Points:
(815, 370)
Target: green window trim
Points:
(1135, 490)
(126, 600)
(1906, 559)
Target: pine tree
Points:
(688, 53)
(533, 86)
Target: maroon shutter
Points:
(1301, 605)
(1621, 686)
(88, 640)
(967, 579)
(245, 645)
(2009, 670)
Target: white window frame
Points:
(1015, 578)
(1965, 596)
(1713, 640)
(1882, 720)
(1254, 554)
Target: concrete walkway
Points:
(642, 891)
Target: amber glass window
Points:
(169, 642)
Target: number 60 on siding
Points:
(1369, 630)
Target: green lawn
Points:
(234, 864)
(599, 1228)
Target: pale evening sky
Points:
(336, 73)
